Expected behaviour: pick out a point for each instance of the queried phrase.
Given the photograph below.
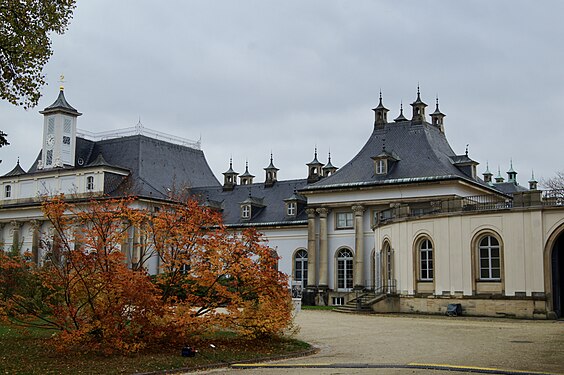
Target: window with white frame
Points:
(291, 208)
(300, 267)
(344, 269)
(489, 259)
(246, 211)
(90, 183)
(425, 260)
(8, 191)
(344, 220)
(381, 166)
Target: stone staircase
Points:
(361, 304)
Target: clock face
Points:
(50, 140)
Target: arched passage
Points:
(557, 268)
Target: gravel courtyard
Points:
(352, 341)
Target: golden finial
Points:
(62, 81)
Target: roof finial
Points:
(18, 160)
(437, 100)
(270, 156)
(62, 82)
(418, 97)
(467, 148)
(315, 153)
(380, 96)
(230, 161)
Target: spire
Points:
(418, 109)
(401, 117)
(271, 172)
(314, 169)
(230, 177)
(246, 178)
(329, 168)
(511, 174)
(499, 178)
(380, 114)
(487, 174)
(533, 182)
(437, 117)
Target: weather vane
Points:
(62, 81)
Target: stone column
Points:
(16, 225)
(323, 248)
(311, 250)
(358, 246)
(35, 225)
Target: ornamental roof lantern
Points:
(401, 117)
(380, 114)
(437, 117)
(418, 109)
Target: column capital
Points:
(322, 211)
(35, 224)
(358, 209)
(310, 212)
(16, 224)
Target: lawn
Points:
(31, 354)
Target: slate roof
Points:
(17, 171)
(157, 168)
(273, 212)
(509, 187)
(61, 105)
(422, 151)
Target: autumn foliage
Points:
(95, 298)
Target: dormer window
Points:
(246, 211)
(8, 191)
(291, 208)
(90, 183)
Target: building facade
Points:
(406, 225)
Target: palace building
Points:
(407, 225)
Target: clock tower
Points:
(59, 134)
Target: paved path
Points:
(375, 340)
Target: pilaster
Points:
(359, 246)
(323, 248)
(35, 225)
(311, 250)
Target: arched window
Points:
(489, 259)
(300, 266)
(425, 260)
(344, 269)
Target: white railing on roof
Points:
(139, 129)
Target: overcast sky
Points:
(251, 77)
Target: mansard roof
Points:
(156, 168)
(423, 152)
(272, 198)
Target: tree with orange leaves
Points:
(210, 279)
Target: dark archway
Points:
(557, 267)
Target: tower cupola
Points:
(271, 174)
(487, 175)
(499, 178)
(246, 178)
(229, 177)
(381, 114)
(511, 174)
(329, 168)
(533, 183)
(418, 109)
(314, 169)
(437, 117)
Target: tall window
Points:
(489, 259)
(90, 183)
(8, 191)
(344, 220)
(300, 267)
(425, 261)
(344, 269)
